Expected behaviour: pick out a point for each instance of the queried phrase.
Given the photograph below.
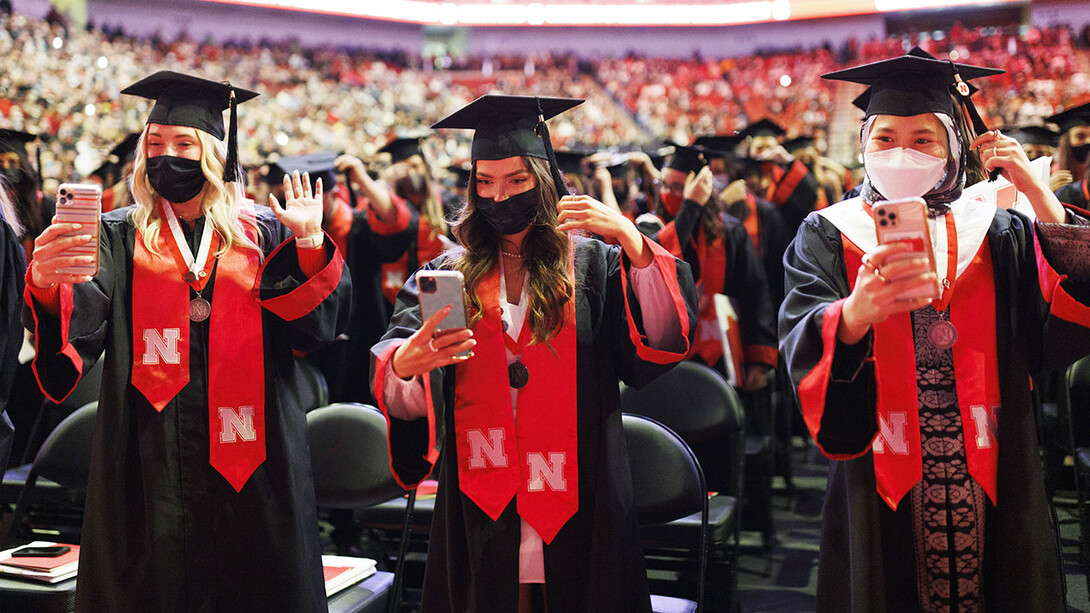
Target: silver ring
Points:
(431, 344)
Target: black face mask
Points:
(412, 183)
(14, 176)
(1080, 153)
(176, 179)
(510, 216)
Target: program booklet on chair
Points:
(344, 571)
(727, 316)
(45, 569)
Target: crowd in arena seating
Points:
(64, 83)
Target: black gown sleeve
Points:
(745, 281)
(12, 270)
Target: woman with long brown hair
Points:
(1073, 156)
(533, 513)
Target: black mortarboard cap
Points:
(15, 140)
(799, 142)
(570, 161)
(185, 100)
(687, 159)
(510, 126)
(319, 165)
(719, 145)
(461, 175)
(1072, 118)
(1035, 135)
(121, 154)
(913, 84)
(403, 148)
(764, 127)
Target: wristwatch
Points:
(310, 242)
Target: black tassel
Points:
(230, 171)
(543, 131)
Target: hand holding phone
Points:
(439, 288)
(444, 338)
(904, 221)
(81, 204)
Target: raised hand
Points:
(302, 210)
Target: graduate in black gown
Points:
(200, 495)
(1074, 155)
(538, 508)
(777, 176)
(915, 380)
(12, 269)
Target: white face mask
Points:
(903, 173)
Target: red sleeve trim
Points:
(309, 295)
(311, 261)
(813, 386)
(667, 266)
(788, 184)
(762, 354)
(63, 295)
(667, 237)
(381, 364)
(401, 217)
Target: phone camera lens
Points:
(883, 222)
(892, 216)
(427, 285)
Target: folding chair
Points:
(667, 484)
(697, 403)
(1077, 399)
(348, 455)
(64, 460)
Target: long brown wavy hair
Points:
(545, 253)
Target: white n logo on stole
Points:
(233, 425)
(481, 446)
(161, 347)
(542, 472)
(892, 434)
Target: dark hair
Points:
(545, 254)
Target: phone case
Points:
(905, 221)
(438, 288)
(82, 204)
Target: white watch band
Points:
(310, 242)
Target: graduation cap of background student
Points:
(461, 175)
(797, 143)
(1071, 118)
(571, 160)
(122, 153)
(404, 147)
(1034, 135)
(511, 126)
(16, 141)
(189, 101)
(764, 127)
(918, 83)
(318, 164)
(687, 159)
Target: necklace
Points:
(942, 334)
(199, 308)
(511, 255)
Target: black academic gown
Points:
(163, 531)
(867, 561)
(1075, 194)
(12, 270)
(595, 562)
(743, 279)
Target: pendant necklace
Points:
(199, 308)
(517, 373)
(942, 334)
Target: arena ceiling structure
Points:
(608, 12)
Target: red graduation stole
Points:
(236, 371)
(898, 462)
(535, 456)
(708, 343)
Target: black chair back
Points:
(697, 403)
(1078, 401)
(348, 455)
(65, 457)
(667, 482)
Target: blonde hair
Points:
(221, 203)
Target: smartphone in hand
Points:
(439, 288)
(81, 203)
(905, 221)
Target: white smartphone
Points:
(439, 288)
(81, 203)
